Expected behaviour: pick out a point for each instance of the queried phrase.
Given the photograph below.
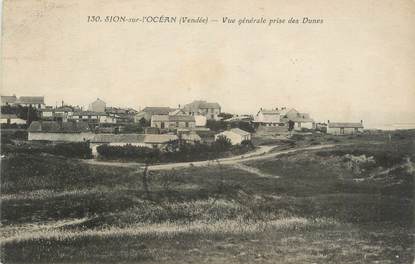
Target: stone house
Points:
(342, 128)
(235, 135)
(210, 110)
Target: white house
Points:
(59, 131)
(341, 128)
(235, 135)
(268, 117)
(97, 106)
(11, 119)
(210, 110)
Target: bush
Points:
(141, 154)
(180, 153)
(71, 150)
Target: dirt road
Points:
(263, 152)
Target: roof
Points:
(344, 125)
(240, 131)
(58, 127)
(202, 105)
(9, 116)
(300, 117)
(118, 138)
(158, 110)
(8, 99)
(159, 139)
(269, 112)
(63, 109)
(31, 100)
(177, 112)
(98, 101)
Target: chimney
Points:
(361, 121)
(328, 121)
(260, 109)
(179, 106)
(276, 108)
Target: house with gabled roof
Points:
(59, 131)
(32, 101)
(8, 100)
(97, 106)
(171, 122)
(344, 128)
(235, 135)
(268, 117)
(210, 110)
(148, 112)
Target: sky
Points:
(357, 65)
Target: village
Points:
(156, 127)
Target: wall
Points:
(69, 137)
(347, 131)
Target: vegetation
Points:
(24, 112)
(174, 152)
(305, 207)
(71, 149)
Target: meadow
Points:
(352, 203)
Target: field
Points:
(353, 203)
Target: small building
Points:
(8, 100)
(301, 120)
(97, 106)
(59, 131)
(159, 141)
(31, 101)
(148, 112)
(172, 122)
(11, 119)
(199, 107)
(268, 117)
(235, 135)
(342, 128)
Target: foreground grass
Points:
(322, 207)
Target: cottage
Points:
(148, 112)
(159, 141)
(301, 120)
(8, 100)
(341, 128)
(59, 131)
(172, 122)
(11, 119)
(268, 117)
(209, 110)
(235, 135)
(97, 106)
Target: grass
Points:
(318, 209)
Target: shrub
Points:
(71, 149)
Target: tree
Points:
(290, 125)
(144, 122)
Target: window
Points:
(187, 124)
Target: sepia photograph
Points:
(205, 131)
